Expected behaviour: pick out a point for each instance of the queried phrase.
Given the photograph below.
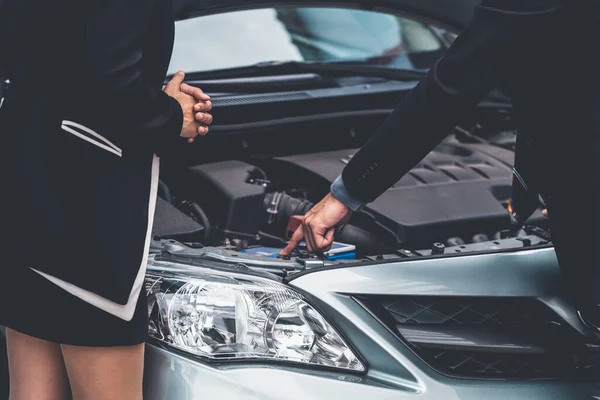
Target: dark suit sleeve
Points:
(115, 32)
(476, 62)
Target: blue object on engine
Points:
(338, 251)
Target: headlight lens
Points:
(226, 316)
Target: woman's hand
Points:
(194, 124)
(202, 107)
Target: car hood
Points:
(454, 13)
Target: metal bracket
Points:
(310, 263)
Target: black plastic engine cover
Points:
(457, 190)
(221, 190)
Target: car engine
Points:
(456, 197)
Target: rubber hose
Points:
(200, 216)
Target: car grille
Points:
(486, 338)
(492, 365)
(457, 310)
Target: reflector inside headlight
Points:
(224, 316)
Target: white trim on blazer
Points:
(68, 126)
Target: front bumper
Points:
(169, 376)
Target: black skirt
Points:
(32, 305)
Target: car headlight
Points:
(222, 316)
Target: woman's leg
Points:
(37, 370)
(98, 373)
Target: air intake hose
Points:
(281, 207)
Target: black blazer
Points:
(532, 49)
(86, 120)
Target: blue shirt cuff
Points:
(339, 191)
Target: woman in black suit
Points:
(84, 123)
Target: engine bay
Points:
(454, 201)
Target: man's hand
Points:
(319, 223)
(191, 127)
(318, 226)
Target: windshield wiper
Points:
(331, 69)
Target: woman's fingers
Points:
(203, 106)
(197, 93)
(204, 118)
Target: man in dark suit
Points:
(542, 53)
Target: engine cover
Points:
(457, 190)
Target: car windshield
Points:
(304, 34)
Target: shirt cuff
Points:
(339, 191)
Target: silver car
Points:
(432, 292)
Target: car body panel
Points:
(520, 273)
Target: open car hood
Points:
(454, 13)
